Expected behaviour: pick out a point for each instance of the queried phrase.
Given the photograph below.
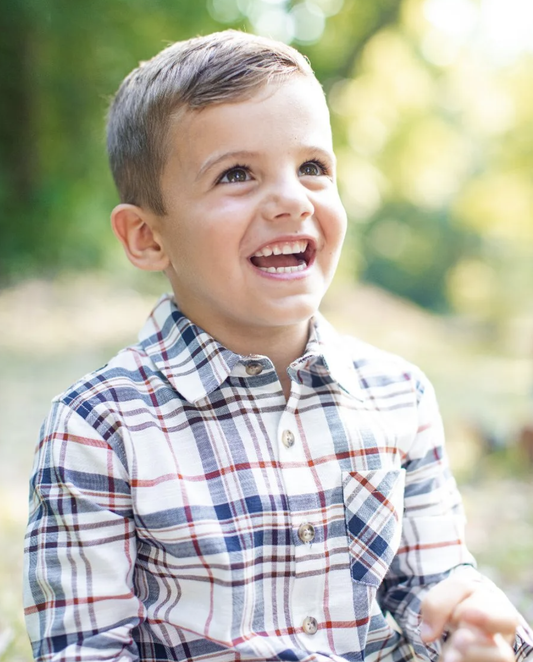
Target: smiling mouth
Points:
(284, 257)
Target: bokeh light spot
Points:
(275, 23)
(224, 11)
(309, 22)
(330, 7)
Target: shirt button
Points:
(254, 369)
(310, 625)
(287, 438)
(306, 532)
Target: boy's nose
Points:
(288, 200)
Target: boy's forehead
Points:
(297, 85)
(299, 103)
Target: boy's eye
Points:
(235, 175)
(312, 169)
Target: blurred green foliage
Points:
(61, 61)
(432, 123)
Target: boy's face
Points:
(244, 182)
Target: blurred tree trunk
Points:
(17, 141)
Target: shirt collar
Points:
(326, 346)
(196, 364)
(193, 361)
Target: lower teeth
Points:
(283, 270)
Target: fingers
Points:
(489, 611)
(465, 645)
(459, 601)
(440, 603)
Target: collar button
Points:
(254, 369)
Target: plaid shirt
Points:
(181, 509)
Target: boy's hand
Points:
(481, 621)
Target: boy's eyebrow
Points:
(246, 154)
(214, 160)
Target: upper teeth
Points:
(285, 248)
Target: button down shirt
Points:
(182, 509)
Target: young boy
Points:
(244, 484)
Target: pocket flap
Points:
(374, 506)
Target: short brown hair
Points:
(218, 68)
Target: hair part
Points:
(222, 67)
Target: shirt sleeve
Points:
(433, 541)
(80, 547)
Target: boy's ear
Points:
(135, 229)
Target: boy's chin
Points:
(293, 311)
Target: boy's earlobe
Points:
(134, 228)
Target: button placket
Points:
(308, 589)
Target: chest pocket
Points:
(373, 503)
